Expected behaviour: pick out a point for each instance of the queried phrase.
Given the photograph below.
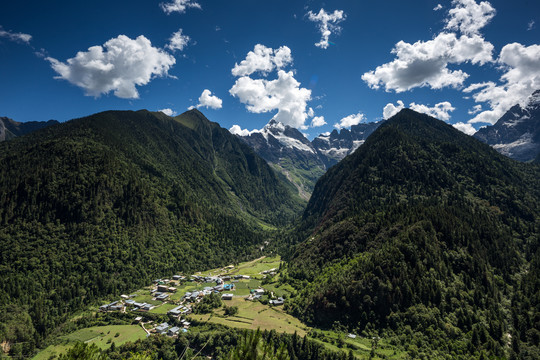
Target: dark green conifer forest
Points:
(428, 236)
(102, 205)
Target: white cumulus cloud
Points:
(465, 128)
(283, 94)
(521, 65)
(119, 65)
(168, 112)
(209, 101)
(425, 63)
(440, 111)
(264, 60)
(179, 6)
(468, 16)
(327, 24)
(178, 41)
(438, 7)
(391, 109)
(350, 120)
(12, 36)
(237, 130)
(318, 121)
(475, 110)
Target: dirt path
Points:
(142, 325)
(253, 261)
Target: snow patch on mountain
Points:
(519, 147)
(335, 153)
(356, 145)
(293, 143)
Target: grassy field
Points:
(251, 268)
(282, 290)
(243, 287)
(255, 268)
(254, 315)
(52, 351)
(83, 335)
(162, 309)
(146, 297)
(103, 336)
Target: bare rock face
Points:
(303, 161)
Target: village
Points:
(168, 307)
(178, 296)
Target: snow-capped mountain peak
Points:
(286, 136)
(274, 127)
(517, 133)
(292, 153)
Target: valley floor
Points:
(251, 314)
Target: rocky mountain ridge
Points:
(517, 133)
(300, 160)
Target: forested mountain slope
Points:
(103, 204)
(426, 235)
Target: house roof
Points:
(162, 327)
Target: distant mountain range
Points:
(517, 133)
(10, 129)
(333, 147)
(302, 161)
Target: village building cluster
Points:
(163, 289)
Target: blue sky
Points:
(464, 61)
